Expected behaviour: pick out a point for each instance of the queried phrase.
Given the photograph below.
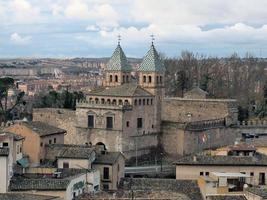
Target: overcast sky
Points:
(89, 28)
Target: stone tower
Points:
(151, 77)
(118, 70)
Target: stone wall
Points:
(188, 110)
(178, 141)
(62, 118)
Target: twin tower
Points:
(150, 73)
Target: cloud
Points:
(24, 12)
(103, 15)
(17, 39)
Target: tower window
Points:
(127, 123)
(123, 79)
(149, 79)
(151, 101)
(157, 79)
(140, 102)
(91, 121)
(144, 79)
(127, 79)
(116, 78)
(144, 102)
(139, 122)
(135, 102)
(147, 102)
(109, 121)
(160, 79)
(110, 78)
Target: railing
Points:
(253, 123)
(205, 124)
(106, 104)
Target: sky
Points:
(90, 28)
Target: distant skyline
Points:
(89, 28)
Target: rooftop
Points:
(72, 151)
(43, 129)
(259, 191)
(227, 197)
(118, 61)
(257, 160)
(21, 196)
(108, 158)
(9, 134)
(44, 182)
(124, 90)
(152, 61)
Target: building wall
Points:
(31, 144)
(61, 118)
(4, 174)
(74, 163)
(188, 110)
(177, 141)
(116, 172)
(190, 172)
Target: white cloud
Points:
(23, 11)
(17, 39)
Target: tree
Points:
(6, 84)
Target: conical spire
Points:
(118, 61)
(151, 61)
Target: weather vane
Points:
(119, 39)
(152, 38)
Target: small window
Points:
(123, 79)
(55, 140)
(110, 78)
(91, 121)
(105, 187)
(152, 126)
(140, 102)
(207, 173)
(5, 144)
(147, 102)
(41, 144)
(139, 122)
(149, 79)
(127, 124)
(50, 141)
(160, 79)
(20, 149)
(251, 173)
(127, 79)
(157, 79)
(116, 78)
(135, 102)
(151, 102)
(66, 165)
(106, 173)
(109, 122)
(144, 102)
(144, 79)
(201, 173)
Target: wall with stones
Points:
(177, 141)
(188, 110)
(62, 118)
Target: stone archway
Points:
(102, 145)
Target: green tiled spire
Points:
(152, 62)
(118, 61)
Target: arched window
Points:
(102, 101)
(144, 102)
(160, 79)
(135, 102)
(140, 102)
(149, 79)
(120, 102)
(147, 102)
(127, 79)
(144, 79)
(116, 78)
(114, 102)
(126, 102)
(110, 78)
(108, 101)
(96, 100)
(157, 79)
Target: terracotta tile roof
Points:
(108, 158)
(259, 191)
(44, 129)
(257, 160)
(124, 90)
